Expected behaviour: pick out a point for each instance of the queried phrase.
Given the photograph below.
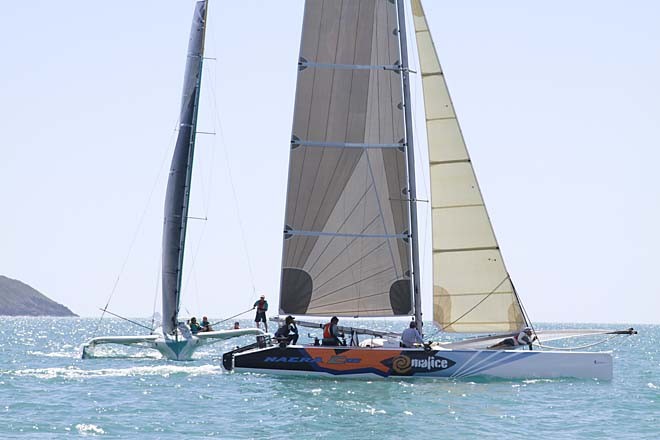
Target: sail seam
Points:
(441, 118)
(472, 205)
(350, 300)
(346, 248)
(508, 292)
(340, 226)
(339, 289)
(445, 162)
(330, 279)
(484, 248)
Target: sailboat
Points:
(350, 239)
(174, 339)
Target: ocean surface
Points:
(48, 391)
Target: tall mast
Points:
(410, 150)
(189, 165)
(177, 198)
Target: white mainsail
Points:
(346, 236)
(472, 291)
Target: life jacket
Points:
(260, 306)
(327, 330)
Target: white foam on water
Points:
(56, 354)
(155, 370)
(89, 429)
(652, 386)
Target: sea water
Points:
(48, 391)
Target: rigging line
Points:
(232, 317)
(232, 186)
(581, 347)
(477, 304)
(139, 226)
(422, 155)
(153, 311)
(126, 319)
(523, 311)
(207, 200)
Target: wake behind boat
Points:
(350, 239)
(174, 339)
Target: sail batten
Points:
(472, 291)
(347, 221)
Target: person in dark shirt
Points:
(288, 333)
(206, 325)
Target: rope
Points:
(477, 304)
(126, 319)
(233, 187)
(581, 347)
(139, 227)
(232, 317)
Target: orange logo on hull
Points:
(342, 359)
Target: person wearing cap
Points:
(293, 329)
(411, 336)
(262, 307)
(288, 333)
(524, 338)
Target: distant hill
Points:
(19, 299)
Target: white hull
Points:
(178, 348)
(359, 362)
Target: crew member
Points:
(411, 336)
(331, 333)
(262, 306)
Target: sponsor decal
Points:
(403, 364)
(343, 360)
(293, 359)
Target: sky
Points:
(559, 104)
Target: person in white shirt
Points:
(411, 336)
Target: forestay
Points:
(346, 249)
(472, 291)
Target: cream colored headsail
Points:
(472, 291)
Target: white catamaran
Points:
(350, 245)
(174, 339)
